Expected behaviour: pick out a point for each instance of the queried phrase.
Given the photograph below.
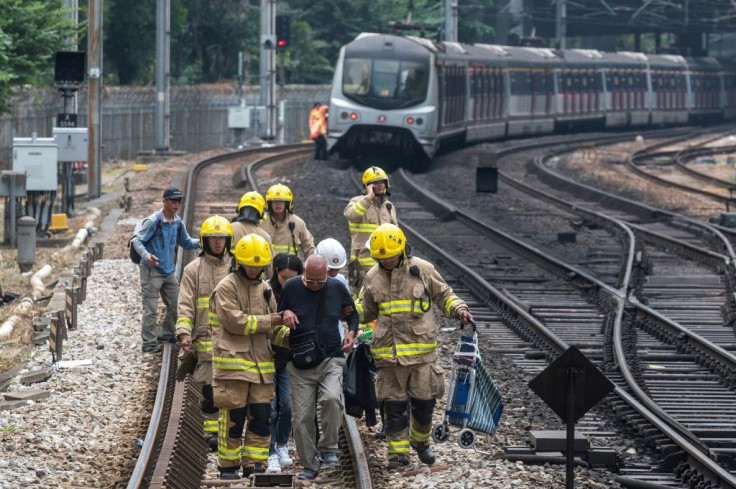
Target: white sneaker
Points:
(284, 458)
(273, 465)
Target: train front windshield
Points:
(385, 83)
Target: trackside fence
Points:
(199, 117)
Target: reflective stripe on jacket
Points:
(406, 332)
(284, 240)
(240, 318)
(364, 215)
(198, 281)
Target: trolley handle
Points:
(472, 323)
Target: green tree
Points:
(130, 40)
(31, 31)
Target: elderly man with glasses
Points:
(312, 305)
(155, 239)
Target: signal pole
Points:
(163, 48)
(94, 97)
(450, 8)
(561, 23)
(268, 65)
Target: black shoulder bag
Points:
(305, 350)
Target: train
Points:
(412, 97)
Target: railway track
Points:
(570, 315)
(531, 289)
(174, 453)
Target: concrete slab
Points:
(27, 395)
(36, 376)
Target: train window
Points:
(356, 76)
(385, 83)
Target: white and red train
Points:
(411, 96)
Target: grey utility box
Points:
(26, 243)
(37, 157)
(71, 143)
(238, 117)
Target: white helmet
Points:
(333, 252)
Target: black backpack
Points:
(134, 256)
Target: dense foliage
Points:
(31, 31)
(206, 36)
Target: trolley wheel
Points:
(466, 438)
(440, 433)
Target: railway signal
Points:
(283, 31)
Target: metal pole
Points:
(240, 79)
(450, 8)
(72, 41)
(268, 63)
(570, 441)
(94, 96)
(561, 23)
(163, 27)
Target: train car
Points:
(668, 89)
(385, 95)
(410, 96)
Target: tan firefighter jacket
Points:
(284, 239)
(198, 281)
(406, 333)
(240, 317)
(364, 215)
(244, 228)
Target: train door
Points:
(605, 81)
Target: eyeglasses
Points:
(315, 282)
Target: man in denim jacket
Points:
(155, 239)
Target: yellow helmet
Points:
(216, 226)
(280, 192)
(252, 251)
(374, 174)
(253, 199)
(387, 241)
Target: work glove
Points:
(187, 364)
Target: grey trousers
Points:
(323, 382)
(154, 284)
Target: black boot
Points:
(397, 461)
(425, 454)
(256, 469)
(212, 442)
(229, 473)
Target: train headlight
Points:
(410, 120)
(353, 116)
(382, 118)
(420, 121)
(343, 115)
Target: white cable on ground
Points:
(7, 327)
(26, 303)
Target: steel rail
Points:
(148, 462)
(683, 437)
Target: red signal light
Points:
(281, 43)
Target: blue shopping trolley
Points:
(473, 401)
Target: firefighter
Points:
(244, 320)
(192, 326)
(364, 214)
(399, 292)
(250, 213)
(287, 231)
